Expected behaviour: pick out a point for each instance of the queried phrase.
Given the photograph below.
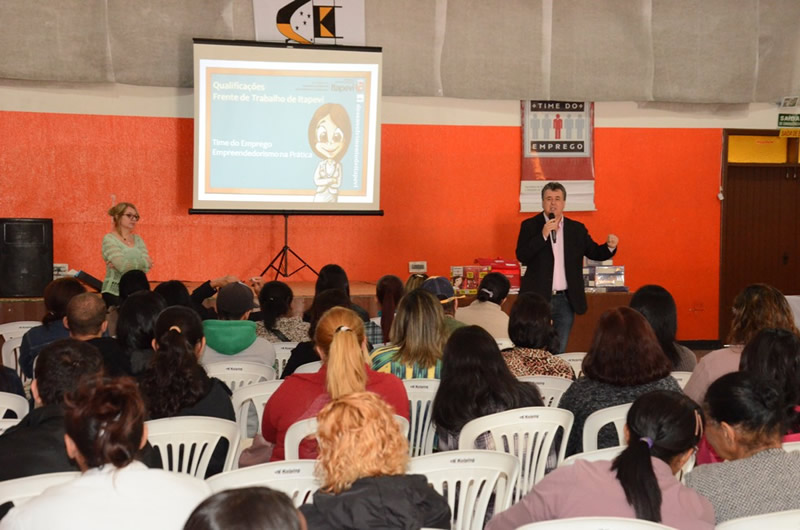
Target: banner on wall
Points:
(331, 22)
(557, 145)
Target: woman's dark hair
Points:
(658, 307)
(275, 299)
(105, 419)
(530, 323)
(57, 295)
(663, 424)
(389, 291)
(175, 293)
(493, 288)
(775, 354)
(475, 381)
(131, 282)
(323, 301)
(625, 351)
(174, 379)
(752, 403)
(61, 364)
(332, 276)
(137, 320)
(254, 508)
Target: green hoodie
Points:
(229, 337)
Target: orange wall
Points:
(450, 194)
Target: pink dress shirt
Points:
(559, 273)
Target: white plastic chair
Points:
(16, 404)
(187, 442)
(599, 419)
(791, 446)
(258, 394)
(7, 424)
(309, 368)
(527, 433)
(10, 355)
(597, 523)
(236, 374)
(420, 398)
(302, 429)
(293, 477)
(467, 479)
(609, 453)
(551, 388)
(21, 490)
(788, 520)
(681, 377)
(575, 360)
(283, 350)
(504, 344)
(12, 330)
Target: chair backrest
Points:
(283, 350)
(236, 374)
(551, 388)
(258, 394)
(299, 430)
(12, 330)
(10, 355)
(7, 424)
(609, 453)
(21, 490)
(309, 368)
(420, 399)
(599, 419)
(468, 479)
(597, 523)
(791, 446)
(504, 344)
(575, 360)
(293, 477)
(787, 520)
(187, 442)
(681, 377)
(17, 404)
(527, 433)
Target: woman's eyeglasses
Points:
(132, 216)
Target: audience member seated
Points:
(418, 336)
(745, 426)
(232, 337)
(475, 382)
(176, 293)
(305, 352)
(12, 384)
(661, 431)
(86, 321)
(253, 508)
(530, 328)
(131, 282)
(442, 289)
(136, 323)
(333, 276)
(623, 362)
(175, 384)
(342, 346)
(658, 307)
(104, 428)
(57, 295)
(362, 463)
(757, 307)
(275, 299)
(388, 291)
(415, 281)
(486, 311)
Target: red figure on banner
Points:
(557, 124)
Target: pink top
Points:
(710, 368)
(559, 273)
(591, 489)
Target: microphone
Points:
(551, 215)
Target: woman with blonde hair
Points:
(122, 250)
(362, 464)
(341, 344)
(417, 337)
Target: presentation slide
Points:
(286, 129)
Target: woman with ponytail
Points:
(104, 430)
(662, 429)
(389, 291)
(342, 346)
(486, 311)
(175, 384)
(277, 325)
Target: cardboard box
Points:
(466, 278)
(509, 268)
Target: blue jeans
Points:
(563, 317)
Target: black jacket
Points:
(377, 503)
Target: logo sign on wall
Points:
(331, 22)
(557, 145)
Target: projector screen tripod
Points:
(282, 257)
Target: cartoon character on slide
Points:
(329, 134)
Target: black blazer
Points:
(537, 253)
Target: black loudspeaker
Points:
(26, 257)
